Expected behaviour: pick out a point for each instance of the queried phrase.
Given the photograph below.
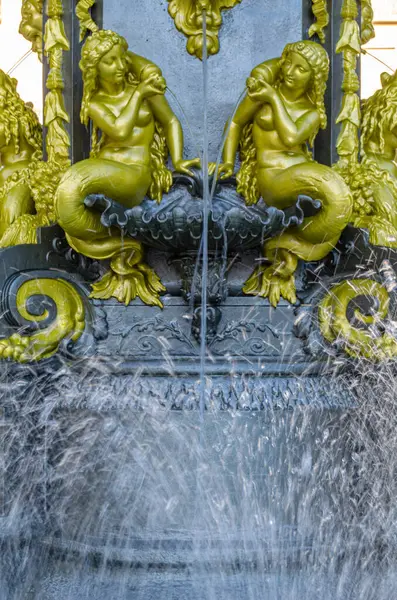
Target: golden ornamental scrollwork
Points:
(373, 179)
(364, 335)
(31, 25)
(55, 115)
(83, 8)
(67, 326)
(349, 45)
(367, 17)
(188, 18)
(320, 11)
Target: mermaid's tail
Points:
(126, 184)
(128, 276)
(312, 240)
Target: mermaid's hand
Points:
(183, 166)
(225, 170)
(253, 84)
(152, 86)
(261, 92)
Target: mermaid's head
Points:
(380, 114)
(306, 65)
(102, 58)
(31, 26)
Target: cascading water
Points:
(19, 62)
(206, 212)
(342, 545)
(259, 490)
(186, 121)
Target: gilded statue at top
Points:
(274, 127)
(133, 130)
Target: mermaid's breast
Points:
(145, 115)
(264, 118)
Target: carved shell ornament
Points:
(188, 18)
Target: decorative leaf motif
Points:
(152, 327)
(55, 35)
(320, 11)
(242, 331)
(54, 108)
(55, 43)
(83, 14)
(367, 16)
(350, 110)
(187, 15)
(349, 44)
(349, 38)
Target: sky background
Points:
(29, 74)
(384, 46)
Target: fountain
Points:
(197, 384)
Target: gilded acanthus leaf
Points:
(83, 14)
(320, 11)
(55, 116)
(55, 35)
(350, 110)
(349, 37)
(349, 45)
(367, 17)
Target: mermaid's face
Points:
(296, 72)
(112, 67)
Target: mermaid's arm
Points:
(244, 114)
(137, 65)
(293, 133)
(171, 125)
(119, 128)
(264, 73)
(173, 133)
(116, 128)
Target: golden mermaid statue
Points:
(123, 96)
(274, 126)
(374, 181)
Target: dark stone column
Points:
(73, 92)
